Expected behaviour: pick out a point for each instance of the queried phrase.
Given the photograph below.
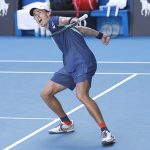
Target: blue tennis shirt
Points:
(72, 44)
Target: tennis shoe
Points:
(107, 138)
(62, 128)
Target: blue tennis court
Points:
(120, 88)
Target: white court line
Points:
(55, 61)
(19, 118)
(29, 61)
(97, 73)
(123, 62)
(121, 73)
(25, 72)
(70, 112)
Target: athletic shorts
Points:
(70, 79)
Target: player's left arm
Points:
(91, 32)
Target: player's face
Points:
(41, 17)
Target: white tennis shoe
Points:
(62, 128)
(107, 138)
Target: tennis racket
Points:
(69, 26)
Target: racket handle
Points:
(83, 17)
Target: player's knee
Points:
(46, 95)
(82, 97)
(43, 95)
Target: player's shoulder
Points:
(54, 20)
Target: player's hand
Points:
(105, 39)
(74, 20)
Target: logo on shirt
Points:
(53, 25)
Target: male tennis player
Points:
(77, 72)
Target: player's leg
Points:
(83, 77)
(82, 92)
(47, 94)
(60, 81)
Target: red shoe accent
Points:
(67, 122)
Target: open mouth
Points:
(40, 21)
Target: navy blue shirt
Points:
(72, 44)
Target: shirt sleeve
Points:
(53, 23)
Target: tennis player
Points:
(77, 72)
